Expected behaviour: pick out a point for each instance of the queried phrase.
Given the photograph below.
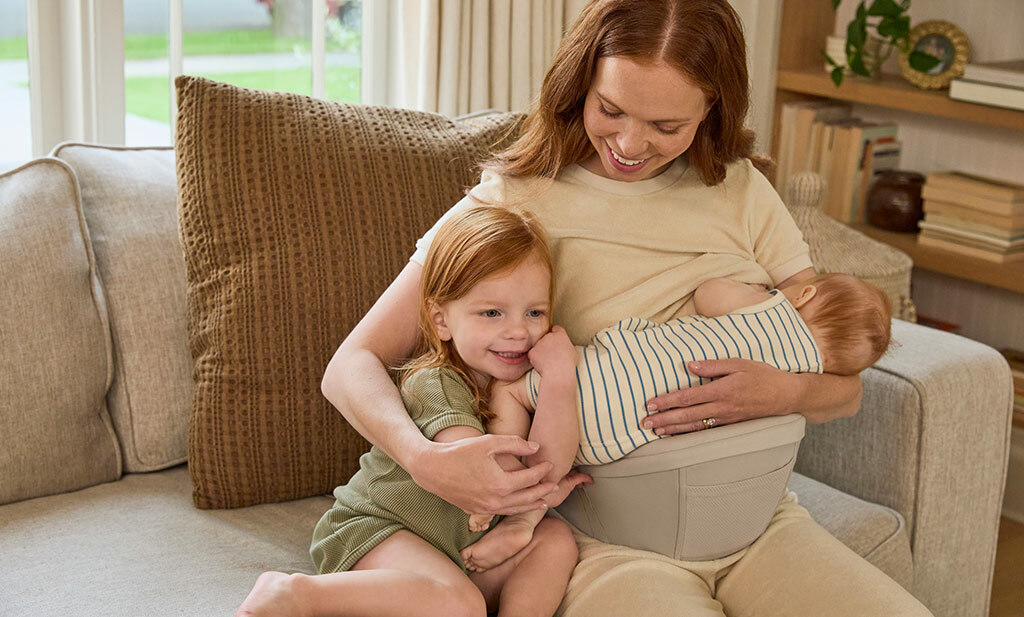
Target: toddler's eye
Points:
(490, 313)
(535, 313)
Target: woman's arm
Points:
(357, 383)
(744, 389)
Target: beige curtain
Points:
(458, 56)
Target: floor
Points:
(1007, 588)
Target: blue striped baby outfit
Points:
(636, 359)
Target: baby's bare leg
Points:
(404, 575)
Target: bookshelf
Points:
(893, 92)
(801, 76)
(1005, 276)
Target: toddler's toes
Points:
(479, 522)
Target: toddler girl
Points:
(389, 547)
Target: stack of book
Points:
(823, 137)
(974, 216)
(991, 83)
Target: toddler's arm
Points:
(555, 426)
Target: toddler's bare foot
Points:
(479, 522)
(273, 595)
(510, 536)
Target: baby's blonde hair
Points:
(473, 245)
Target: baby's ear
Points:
(440, 325)
(806, 293)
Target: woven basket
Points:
(838, 248)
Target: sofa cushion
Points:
(55, 350)
(138, 547)
(877, 533)
(296, 214)
(129, 196)
(161, 556)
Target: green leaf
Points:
(857, 31)
(828, 58)
(902, 27)
(920, 61)
(857, 65)
(837, 76)
(835, 4)
(862, 13)
(884, 8)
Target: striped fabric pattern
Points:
(636, 359)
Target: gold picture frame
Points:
(943, 40)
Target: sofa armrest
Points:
(931, 440)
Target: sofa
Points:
(106, 339)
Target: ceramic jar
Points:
(894, 201)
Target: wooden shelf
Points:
(892, 92)
(1005, 276)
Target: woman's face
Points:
(639, 118)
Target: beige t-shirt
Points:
(640, 249)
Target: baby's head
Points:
(487, 266)
(849, 320)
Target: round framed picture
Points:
(937, 52)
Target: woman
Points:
(637, 163)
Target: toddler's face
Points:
(499, 321)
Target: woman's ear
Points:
(440, 325)
(806, 293)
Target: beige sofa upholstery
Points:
(913, 482)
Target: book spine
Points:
(976, 186)
(992, 206)
(987, 94)
(994, 76)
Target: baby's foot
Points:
(273, 595)
(479, 522)
(510, 536)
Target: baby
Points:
(832, 323)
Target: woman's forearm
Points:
(359, 386)
(825, 397)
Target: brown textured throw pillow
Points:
(296, 214)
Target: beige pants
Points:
(794, 569)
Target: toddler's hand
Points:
(554, 352)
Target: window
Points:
(302, 46)
(16, 144)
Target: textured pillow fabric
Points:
(55, 353)
(129, 197)
(295, 214)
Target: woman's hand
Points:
(466, 474)
(745, 389)
(742, 390)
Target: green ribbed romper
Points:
(382, 498)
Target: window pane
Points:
(16, 143)
(344, 45)
(262, 44)
(147, 86)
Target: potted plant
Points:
(865, 53)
